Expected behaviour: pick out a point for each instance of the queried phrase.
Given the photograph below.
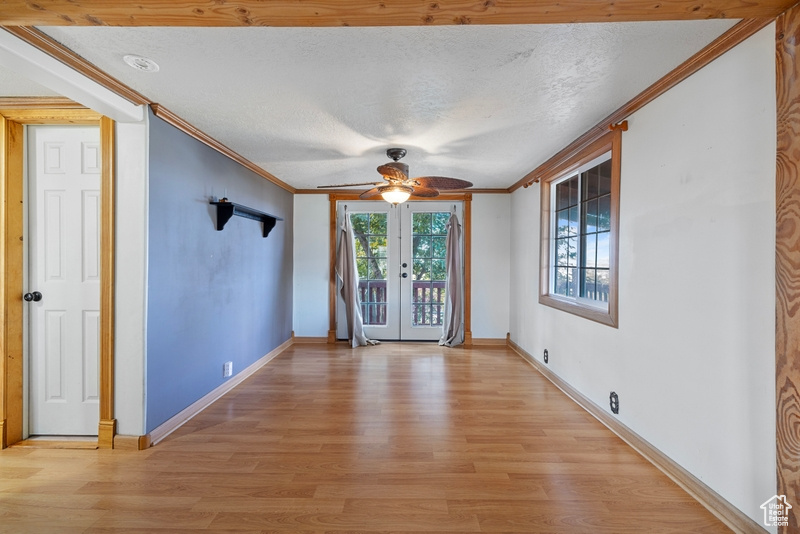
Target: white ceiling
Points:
(318, 106)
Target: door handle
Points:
(35, 296)
(404, 275)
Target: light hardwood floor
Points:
(392, 438)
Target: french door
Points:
(400, 258)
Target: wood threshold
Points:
(719, 46)
(57, 444)
(321, 13)
(302, 340)
(488, 342)
(734, 518)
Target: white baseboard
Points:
(734, 518)
(175, 422)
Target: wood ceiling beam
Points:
(372, 12)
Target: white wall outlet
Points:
(227, 369)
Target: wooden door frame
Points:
(466, 198)
(12, 140)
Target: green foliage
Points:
(439, 247)
(360, 222)
(438, 271)
(440, 223)
(421, 247)
(421, 223)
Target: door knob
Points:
(404, 265)
(35, 296)
(404, 275)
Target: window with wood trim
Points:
(579, 233)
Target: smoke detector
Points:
(141, 63)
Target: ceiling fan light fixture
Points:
(395, 194)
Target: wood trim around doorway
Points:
(467, 228)
(12, 127)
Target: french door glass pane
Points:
(369, 231)
(429, 231)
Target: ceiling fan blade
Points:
(442, 182)
(348, 185)
(425, 192)
(394, 171)
(372, 193)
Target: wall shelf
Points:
(226, 210)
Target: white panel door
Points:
(400, 256)
(63, 279)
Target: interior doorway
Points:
(15, 117)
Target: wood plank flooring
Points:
(391, 438)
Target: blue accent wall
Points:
(213, 296)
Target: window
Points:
(430, 274)
(370, 235)
(580, 206)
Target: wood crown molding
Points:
(40, 102)
(167, 116)
(350, 194)
(719, 46)
(734, 518)
(53, 48)
(321, 13)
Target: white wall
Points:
(131, 278)
(693, 358)
(491, 260)
(311, 265)
(490, 265)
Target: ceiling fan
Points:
(397, 186)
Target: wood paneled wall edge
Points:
(787, 257)
(734, 518)
(324, 13)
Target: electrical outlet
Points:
(613, 400)
(227, 369)
(546, 356)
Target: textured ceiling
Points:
(318, 106)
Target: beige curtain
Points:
(347, 275)
(453, 326)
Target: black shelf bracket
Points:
(226, 210)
